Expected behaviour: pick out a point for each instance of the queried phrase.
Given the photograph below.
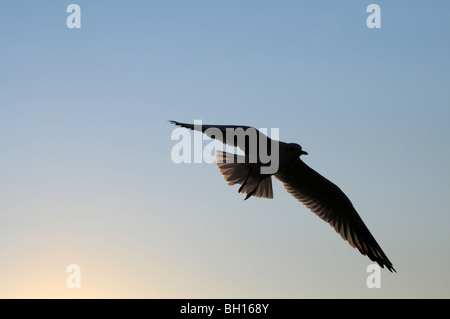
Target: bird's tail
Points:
(236, 170)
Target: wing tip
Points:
(389, 266)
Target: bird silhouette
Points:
(316, 192)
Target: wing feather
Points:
(328, 202)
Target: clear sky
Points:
(86, 175)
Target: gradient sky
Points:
(86, 175)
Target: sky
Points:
(87, 178)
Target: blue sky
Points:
(86, 173)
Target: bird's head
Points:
(295, 149)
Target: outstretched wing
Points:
(233, 135)
(328, 202)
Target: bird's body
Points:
(320, 195)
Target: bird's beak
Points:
(304, 153)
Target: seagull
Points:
(317, 193)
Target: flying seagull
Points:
(320, 195)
